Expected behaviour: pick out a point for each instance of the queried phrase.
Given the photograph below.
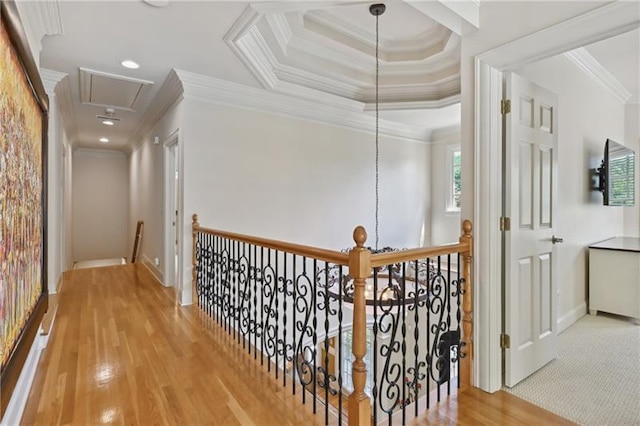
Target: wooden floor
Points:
(121, 351)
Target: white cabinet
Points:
(614, 277)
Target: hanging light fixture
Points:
(396, 282)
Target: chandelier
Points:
(392, 284)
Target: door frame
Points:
(602, 23)
(172, 161)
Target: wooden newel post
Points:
(466, 351)
(195, 226)
(360, 270)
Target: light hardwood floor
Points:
(121, 351)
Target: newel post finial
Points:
(195, 220)
(360, 236)
(467, 227)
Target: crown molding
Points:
(51, 17)
(40, 18)
(426, 39)
(246, 43)
(56, 84)
(462, 17)
(396, 106)
(581, 30)
(446, 135)
(318, 96)
(281, 29)
(591, 67)
(169, 94)
(225, 93)
(98, 153)
(50, 79)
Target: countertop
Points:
(619, 243)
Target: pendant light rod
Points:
(377, 10)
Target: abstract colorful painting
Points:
(21, 201)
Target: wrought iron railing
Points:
(311, 316)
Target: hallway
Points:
(121, 351)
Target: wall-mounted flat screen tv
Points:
(617, 175)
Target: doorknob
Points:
(556, 240)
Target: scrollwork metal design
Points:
(305, 352)
(269, 289)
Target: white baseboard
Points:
(54, 289)
(572, 317)
(13, 414)
(155, 271)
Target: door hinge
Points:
(505, 106)
(505, 223)
(505, 341)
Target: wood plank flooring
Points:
(121, 351)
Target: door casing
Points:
(172, 186)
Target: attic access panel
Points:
(110, 90)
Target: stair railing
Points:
(406, 315)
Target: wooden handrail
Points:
(388, 258)
(332, 256)
(136, 243)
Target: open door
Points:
(530, 183)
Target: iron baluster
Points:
(375, 347)
(293, 339)
(339, 349)
(427, 355)
(315, 333)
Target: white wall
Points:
(500, 23)
(298, 181)
(632, 140)
(445, 225)
(100, 204)
(146, 192)
(588, 115)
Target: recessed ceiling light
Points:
(108, 122)
(128, 63)
(104, 140)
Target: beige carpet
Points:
(596, 378)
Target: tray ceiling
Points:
(333, 50)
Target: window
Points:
(454, 163)
(621, 176)
(347, 361)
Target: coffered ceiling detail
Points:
(332, 50)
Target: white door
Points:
(530, 172)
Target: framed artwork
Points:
(23, 204)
